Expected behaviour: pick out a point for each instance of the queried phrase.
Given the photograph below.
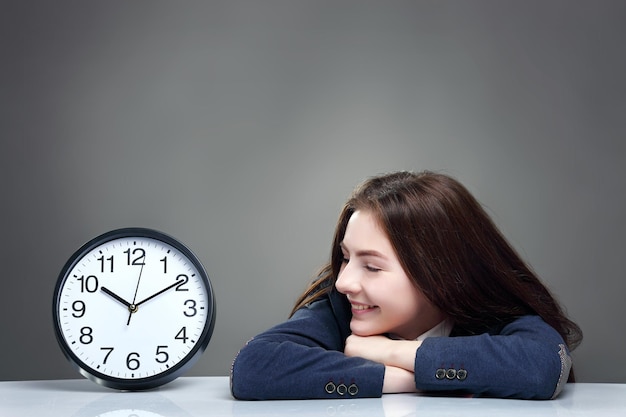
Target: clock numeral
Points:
(161, 352)
(102, 263)
(106, 357)
(182, 279)
(164, 260)
(182, 335)
(132, 361)
(191, 306)
(79, 309)
(139, 259)
(86, 335)
(89, 284)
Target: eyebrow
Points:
(365, 253)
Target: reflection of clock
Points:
(128, 404)
(133, 309)
(129, 413)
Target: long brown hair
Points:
(451, 249)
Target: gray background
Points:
(240, 127)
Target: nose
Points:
(347, 281)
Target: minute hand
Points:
(157, 293)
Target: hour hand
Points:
(115, 296)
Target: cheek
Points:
(407, 303)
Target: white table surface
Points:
(210, 396)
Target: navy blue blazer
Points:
(303, 358)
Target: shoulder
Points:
(331, 308)
(322, 322)
(532, 327)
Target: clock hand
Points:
(158, 293)
(133, 306)
(115, 296)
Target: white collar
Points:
(443, 329)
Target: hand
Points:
(115, 296)
(374, 348)
(132, 308)
(157, 293)
(396, 353)
(398, 380)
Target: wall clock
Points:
(133, 309)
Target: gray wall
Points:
(240, 127)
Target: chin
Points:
(363, 332)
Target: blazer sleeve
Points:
(303, 358)
(527, 359)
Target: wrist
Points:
(401, 354)
(398, 380)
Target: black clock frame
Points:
(140, 383)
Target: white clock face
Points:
(133, 309)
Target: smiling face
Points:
(383, 298)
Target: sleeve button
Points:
(451, 373)
(353, 389)
(330, 387)
(342, 389)
(461, 374)
(440, 373)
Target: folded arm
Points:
(526, 359)
(303, 358)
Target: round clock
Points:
(133, 309)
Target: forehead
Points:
(364, 233)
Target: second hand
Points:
(133, 307)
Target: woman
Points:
(422, 294)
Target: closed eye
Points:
(372, 269)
